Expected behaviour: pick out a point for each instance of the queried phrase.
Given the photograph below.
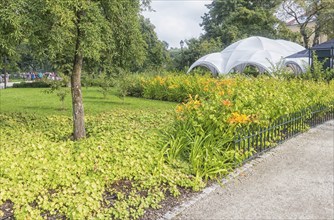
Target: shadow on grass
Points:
(94, 97)
(105, 101)
(40, 107)
(46, 108)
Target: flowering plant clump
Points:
(211, 117)
(211, 110)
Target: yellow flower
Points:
(237, 118)
(193, 103)
(160, 80)
(221, 93)
(196, 103)
(173, 86)
(179, 109)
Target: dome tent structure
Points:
(298, 62)
(301, 61)
(260, 52)
(211, 61)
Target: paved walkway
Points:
(293, 181)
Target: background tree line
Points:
(132, 42)
(228, 21)
(111, 36)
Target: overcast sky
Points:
(177, 20)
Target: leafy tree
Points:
(11, 33)
(156, 51)
(195, 49)
(326, 19)
(306, 12)
(231, 20)
(69, 33)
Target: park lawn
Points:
(116, 172)
(35, 100)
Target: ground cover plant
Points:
(137, 150)
(115, 172)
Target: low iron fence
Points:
(252, 142)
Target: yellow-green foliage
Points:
(43, 172)
(175, 87)
(266, 97)
(201, 139)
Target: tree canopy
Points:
(307, 12)
(11, 31)
(231, 20)
(102, 35)
(156, 51)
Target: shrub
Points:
(60, 88)
(129, 84)
(35, 84)
(105, 84)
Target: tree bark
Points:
(4, 72)
(5, 76)
(77, 103)
(305, 36)
(79, 131)
(316, 39)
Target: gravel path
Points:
(293, 181)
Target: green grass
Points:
(34, 100)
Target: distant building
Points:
(293, 25)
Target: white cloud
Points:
(177, 20)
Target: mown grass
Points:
(34, 100)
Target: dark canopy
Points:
(324, 46)
(303, 53)
(325, 53)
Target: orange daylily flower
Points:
(227, 103)
(237, 118)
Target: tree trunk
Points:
(4, 77)
(77, 103)
(305, 36)
(316, 39)
(4, 72)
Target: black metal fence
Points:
(252, 142)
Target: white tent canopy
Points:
(263, 53)
(211, 61)
(298, 62)
(298, 65)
